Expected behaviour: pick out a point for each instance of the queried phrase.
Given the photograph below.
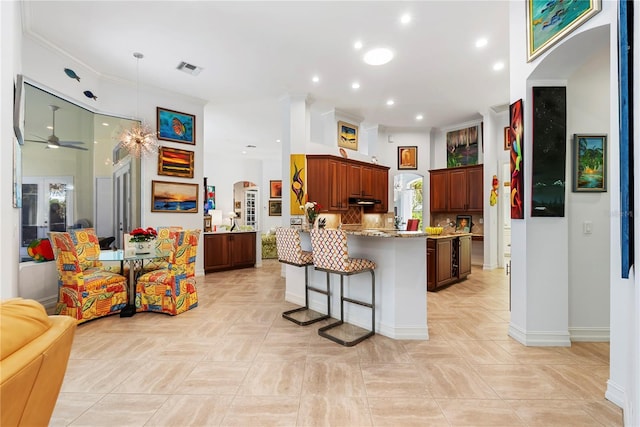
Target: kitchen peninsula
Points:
(401, 277)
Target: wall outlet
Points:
(587, 227)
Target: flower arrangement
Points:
(311, 210)
(143, 234)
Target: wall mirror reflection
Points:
(74, 174)
(245, 203)
(407, 199)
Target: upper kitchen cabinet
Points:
(332, 180)
(457, 189)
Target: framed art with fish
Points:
(176, 126)
(174, 197)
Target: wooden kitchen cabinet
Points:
(228, 251)
(448, 260)
(332, 180)
(457, 189)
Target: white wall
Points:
(588, 112)
(10, 66)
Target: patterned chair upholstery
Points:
(290, 251)
(172, 290)
(84, 294)
(163, 245)
(87, 247)
(331, 254)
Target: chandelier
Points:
(140, 140)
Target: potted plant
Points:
(143, 238)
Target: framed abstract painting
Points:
(175, 162)
(175, 126)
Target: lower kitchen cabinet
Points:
(448, 260)
(228, 251)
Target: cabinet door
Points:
(317, 178)
(475, 186)
(354, 180)
(458, 191)
(431, 264)
(367, 182)
(337, 184)
(243, 249)
(439, 191)
(443, 260)
(216, 252)
(464, 256)
(380, 189)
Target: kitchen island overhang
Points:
(401, 277)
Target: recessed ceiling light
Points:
(390, 102)
(378, 56)
(405, 19)
(498, 66)
(481, 42)
(105, 124)
(355, 85)
(315, 79)
(244, 151)
(50, 127)
(277, 140)
(95, 142)
(357, 45)
(419, 117)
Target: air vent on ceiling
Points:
(194, 70)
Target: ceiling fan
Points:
(53, 141)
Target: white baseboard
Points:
(615, 394)
(540, 338)
(589, 334)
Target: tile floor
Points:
(233, 361)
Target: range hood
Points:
(363, 201)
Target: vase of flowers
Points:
(142, 239)
(311, 212)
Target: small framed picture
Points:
(175, 162)
(348, 136)
(175, 126)
(275, 189)
(507, 138)
(589, 163)
(275, 207)
(408, 158)
(463, 223)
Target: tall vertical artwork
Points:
(516, 137)
(297, 183)
(549, 151)
(625, 78)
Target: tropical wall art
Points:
(348, 136)
(462, 147)
(175, 162)
(175, 126)
(516, 135)
(174, 197)
(549, 151)
(550, 21)
(589, 163)
(297, 184)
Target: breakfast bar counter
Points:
(401, 276)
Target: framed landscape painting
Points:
(175, 126)
(348, 136)
(174, 197)
(550, 21)
(462, 147)
(408, 158)
(589, 163)
(275, 207)
(175, 162)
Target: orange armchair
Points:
(172, 290)
(85, 294)
(34, 351)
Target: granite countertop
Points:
(386, 233)
(448, 236)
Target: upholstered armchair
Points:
(172, 290)
(88, 249)
(163, 245)
(85, 294)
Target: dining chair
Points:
(84, 294)
(172, 290)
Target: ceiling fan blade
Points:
(72, 142)
(37, 140)
(75, 147)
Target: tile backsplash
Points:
(448, 222)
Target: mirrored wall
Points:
(73, 172)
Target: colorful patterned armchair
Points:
(163, 245)
(85, 294)
(172, 290)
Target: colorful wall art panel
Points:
(516, 134)
(297, 183)
(462, 147)
(549, 151)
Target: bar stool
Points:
(290, 252)
(330, 254)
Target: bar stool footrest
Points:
(304, 316)
(345, 334)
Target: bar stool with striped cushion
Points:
(290, 252)
(330, 254)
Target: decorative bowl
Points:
(434, 231)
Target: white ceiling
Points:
(254, 53)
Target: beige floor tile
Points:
(521, 382)
(479, 412)
(234, 348)
(402, 411)
(380, 349)
(550, 412)
(156, 377)
(483, 352)
(454, 380)
(213, 378)
(262, 411)
(97, 376)
(333, 411)
(70, 406)
(121, 410)
(333, 379)
(191, 410)
(393, 380)
(281, 378)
